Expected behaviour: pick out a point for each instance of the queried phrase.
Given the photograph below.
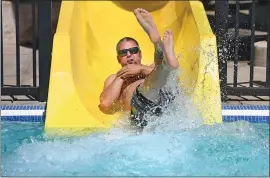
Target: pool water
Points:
(229, 149)
(176, 144)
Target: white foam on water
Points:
(229, 149)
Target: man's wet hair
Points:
(125, 39)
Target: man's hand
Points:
(128, 71)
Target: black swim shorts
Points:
(140, 106)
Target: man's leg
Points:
(164, 57)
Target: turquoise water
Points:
(230, 149)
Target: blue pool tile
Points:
(226, 119)
(266, 107)
(15, 118)
(230, 107)
(22, 118)
(259, 119)
(28, 119)
(39, 119)
(253, 119)
(32, 119)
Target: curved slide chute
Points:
(84, 55)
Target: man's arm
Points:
(109, 98)
(146, 70)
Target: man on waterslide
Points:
(136, 87)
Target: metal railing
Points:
(38, 90)
(250, 88)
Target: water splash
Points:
(230, 149)
(176, 144)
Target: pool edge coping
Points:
(230, 113)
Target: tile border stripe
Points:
(230, 113)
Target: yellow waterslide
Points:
(84, 55)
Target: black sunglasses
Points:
(133, 50)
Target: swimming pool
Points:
(232, 149)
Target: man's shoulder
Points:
(112, 76)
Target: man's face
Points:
(129, 53)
